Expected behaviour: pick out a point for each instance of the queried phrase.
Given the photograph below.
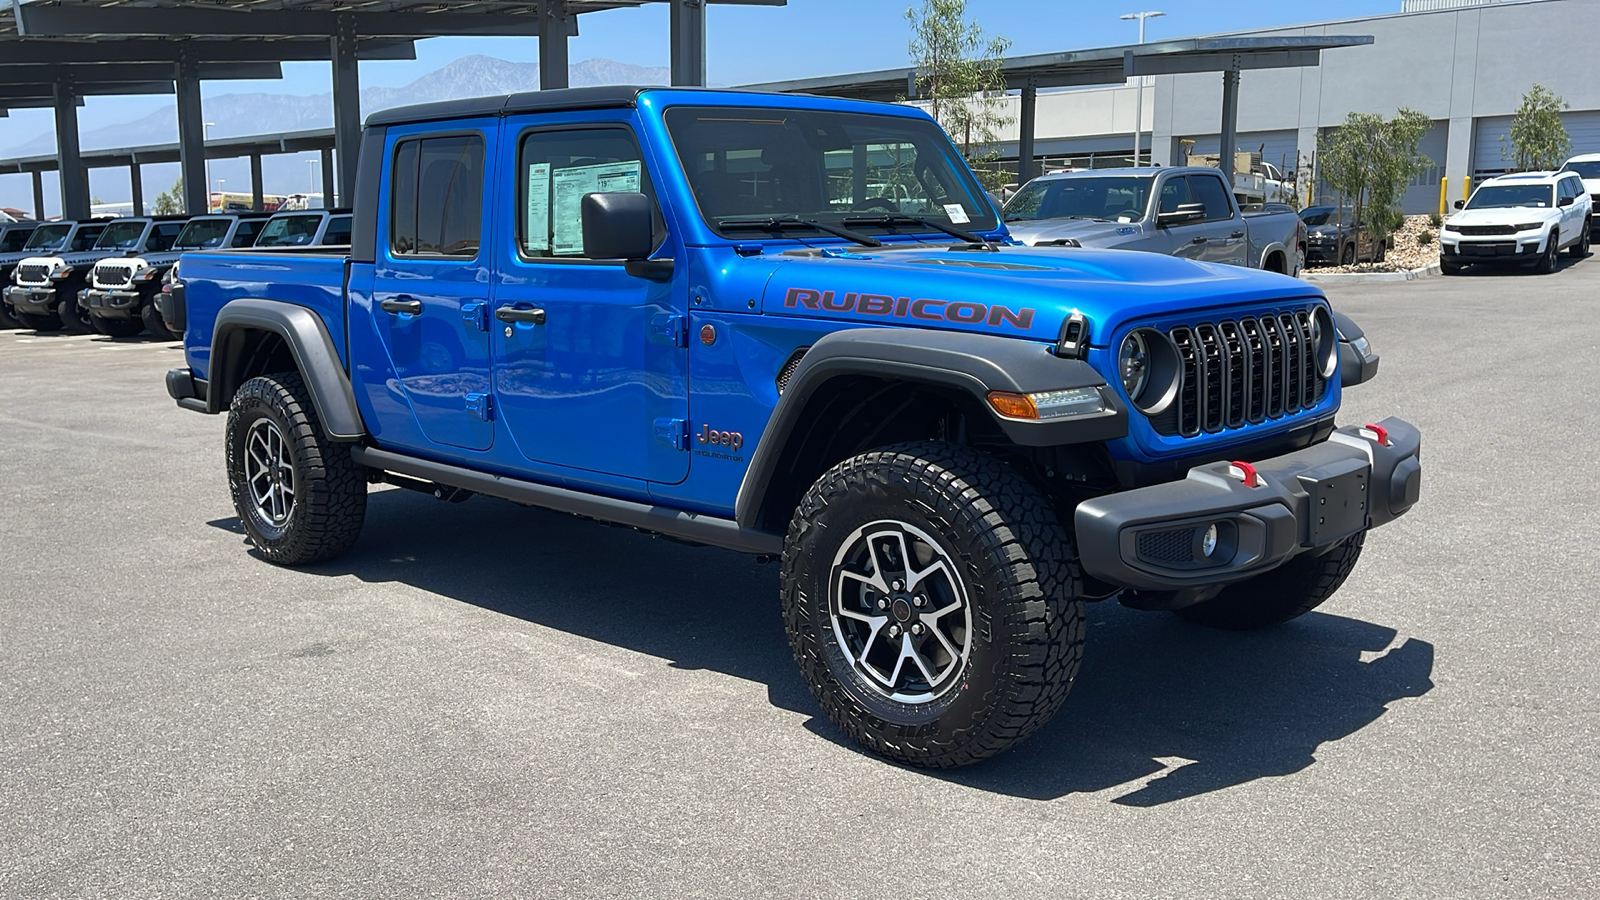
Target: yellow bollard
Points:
(1444, 193)
(1466, 188)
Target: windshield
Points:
(1588, 169)
(203, 234)
(121, 236)
(1108, 198)
(1539, 196)
(855, 170)
(1315, 216)
(49, 237)
(289, 231)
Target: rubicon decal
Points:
(924, 308)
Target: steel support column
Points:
(38, 195)
(257, 200)
(1026, 121)
(688, 35)
(136, 187)
(192, 140)
(346, 109)
(327, 180)
(554, 26)
(1230, 120)
(69, 165)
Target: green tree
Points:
(1370, 161)
(1538, 140)
(170, 202)
(958, 74)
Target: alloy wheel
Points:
(269, 472)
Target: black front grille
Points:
(1243, 371)
(1486, 230)
(112, 276)
(1489, 248)
(34, 273)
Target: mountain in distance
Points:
(238, 115)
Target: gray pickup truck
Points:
(1187, 211)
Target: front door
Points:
(1224, 233)
(431, 282)
(591, 361)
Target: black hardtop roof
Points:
(611, 96)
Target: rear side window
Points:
(436, 197)
(1214, 194)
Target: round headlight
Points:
(1133, 362)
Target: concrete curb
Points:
(1371, 277)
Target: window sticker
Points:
(538, 206)
(957, 213)
(567, 187)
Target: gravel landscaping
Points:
(1405, 255)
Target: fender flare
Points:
(1276, 247)
(971, 363)
(314, 352)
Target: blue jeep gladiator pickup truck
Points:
(795, 327)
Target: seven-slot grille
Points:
(33, 273)
(1242, 371)
(1486, 230)
(110, 275)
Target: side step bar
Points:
(711, 530)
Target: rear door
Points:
(591, 361)
(430, 286)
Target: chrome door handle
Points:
(401, 305)
(514, 314)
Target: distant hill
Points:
(236, 115)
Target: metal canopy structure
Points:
(1103, 65)
(186, 38)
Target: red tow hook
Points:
(1379, 434)
(1245, 473)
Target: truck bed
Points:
(312, 277)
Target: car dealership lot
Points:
(490, 701)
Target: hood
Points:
(1016, 291)
(1087, 232)
(1324, 229)
(1508, 215)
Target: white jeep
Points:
(1524, 218)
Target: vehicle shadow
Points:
(1168, 709)
(1502, 270)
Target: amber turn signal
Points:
(1014, 406)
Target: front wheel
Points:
(299, 495)
(1549, 259)
(932, 600)
(1289, 591)
(1347, 257)
(74, 318)
(153, 323)
(117, 327)
(38, 322)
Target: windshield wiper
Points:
(904, 219)
(778, 223)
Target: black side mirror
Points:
(1183, 215)
(1460, 204)
(620, 225)
(1565, 201)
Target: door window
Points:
(246, 233)
(1214, 194)
(436, 196)
(163, 236)
(555, 169)
(1174, 193)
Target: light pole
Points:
(207, 154)
(311, 167)
(1138, 96)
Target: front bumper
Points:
(112, 304)
(32, 300)
(1508, 249)
(1153, 538)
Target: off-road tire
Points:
(1272, 598)
(1580, 249)
(1015, 562)
(1550, 258)
(74, 318)
(330, 492)
(39, 323)
(116, 327)
(153, 324)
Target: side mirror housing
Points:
(1460, 204)
(617, 226)
(1183, 215)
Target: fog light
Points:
(1208, 541)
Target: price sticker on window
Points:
(957, 213)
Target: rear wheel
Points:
(1580, 249)
(74, 318)
(1291, 590)
(1550, 258)
(299, 495)
(932, 600)
(117, 327)
(153, 324)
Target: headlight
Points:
(1148, 363)
(1529, 226)
(1362, 346)
(1325, 340)
(1448, 227)
(1133, 363)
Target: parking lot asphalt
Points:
(489, 701)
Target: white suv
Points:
(1525, 218)
(1587, 167)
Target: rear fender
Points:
(314, 352)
